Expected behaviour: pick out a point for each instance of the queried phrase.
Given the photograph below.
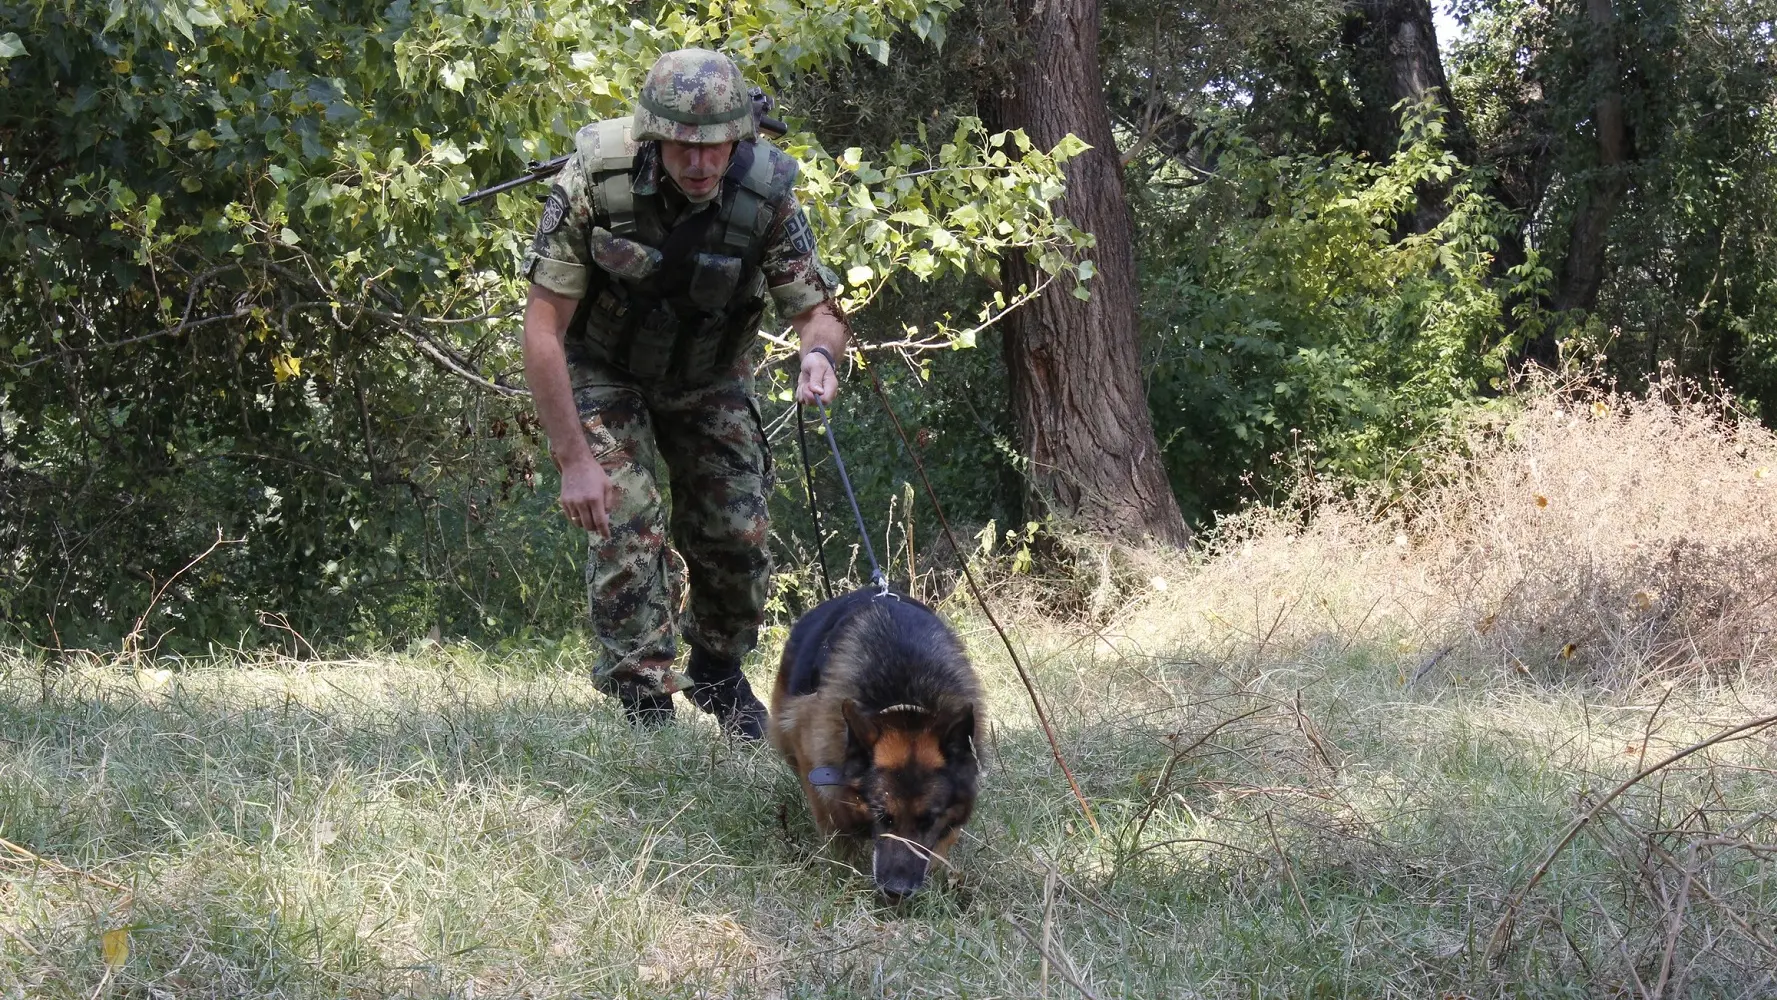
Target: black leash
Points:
(876, 575)
(814, 508)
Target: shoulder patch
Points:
(555, 209)
(797, 232)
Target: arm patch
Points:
(555, 210)
(797, 232)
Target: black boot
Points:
(719, 688)
(649, 710)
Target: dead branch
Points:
(1502, 932)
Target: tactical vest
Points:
(694, 319)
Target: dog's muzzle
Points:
(898, 867)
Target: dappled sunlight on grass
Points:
(428, 820)
(1312, 766)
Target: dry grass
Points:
(1320, 759)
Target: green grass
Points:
(448, 823)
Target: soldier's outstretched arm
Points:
(587, 494)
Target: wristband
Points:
(823, 352)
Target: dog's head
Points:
(915, 770)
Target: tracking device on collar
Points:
(825, 777)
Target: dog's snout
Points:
(897, 893)
(899, 869)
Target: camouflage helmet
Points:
(694, 95)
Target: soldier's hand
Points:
(818, 379)
(587, 496)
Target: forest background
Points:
(243, 307)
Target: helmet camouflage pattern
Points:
(694, 95)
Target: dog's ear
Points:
(958, 736)
(861, 727)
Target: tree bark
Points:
(1583, 271)
(1074, 367)
(1394, 57)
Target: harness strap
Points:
(619, 204)
(614, 159)
(746, 218)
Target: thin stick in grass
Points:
(1066, 971)
(1502, 931)
(1288, 869)
(58, 867)
(1676, 926)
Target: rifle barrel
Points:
(535, 171)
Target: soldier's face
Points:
(696, 167)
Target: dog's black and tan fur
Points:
(876, 700)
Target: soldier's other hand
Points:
(818, 379)
(587, 496)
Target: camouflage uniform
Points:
(674, 385)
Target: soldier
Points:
(657, 247)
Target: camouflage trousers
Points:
(712, 444)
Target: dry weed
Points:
(1615, 539)
(1588, 535)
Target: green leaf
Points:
(458, 73)
(1069, 147)
(11, 46)
(200, 15)
(289, 237)
(180, 22)
(877, 49)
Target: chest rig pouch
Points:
(695, 317)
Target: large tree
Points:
(1073, 363)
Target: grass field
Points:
(1323, 761)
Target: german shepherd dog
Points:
(879, 713)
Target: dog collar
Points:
(906, 707)
(825, 777)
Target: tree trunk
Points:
(1074, 368)
(1583, 271)
(1394, 57)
